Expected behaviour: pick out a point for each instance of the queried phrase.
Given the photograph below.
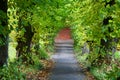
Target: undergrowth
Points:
(104, 71)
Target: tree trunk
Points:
(23, 47)
(3, 33)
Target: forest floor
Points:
(43, 73)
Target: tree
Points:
(3, 32)
(97, 22)
(25, 29)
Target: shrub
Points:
(43, 54)
(11, 71)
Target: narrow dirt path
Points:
(66, 66)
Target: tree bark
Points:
(23, 47)
(3, 33)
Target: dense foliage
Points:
(36, 24)
(33, 24)
(96, 28)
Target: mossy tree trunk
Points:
(23, 47)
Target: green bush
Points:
(36, 61)
(117, 55)
(98, 73)
(106, 72)
(33, 60)
(113, 74)
(82, 58)
(43, 54)
(12, 72)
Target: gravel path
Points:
(66, 66)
